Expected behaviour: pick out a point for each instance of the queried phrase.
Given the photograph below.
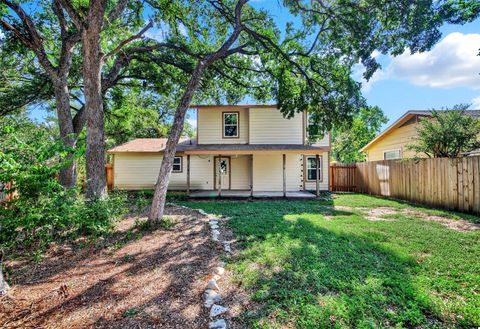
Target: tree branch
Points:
(125, 42)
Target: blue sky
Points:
(446, 75)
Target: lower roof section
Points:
(190, 146)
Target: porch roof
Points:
(190, 146)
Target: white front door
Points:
(222, 173)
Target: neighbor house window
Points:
(230, 124)
(312, 168)
(177, 164)
(392, 155)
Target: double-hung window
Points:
(312, 168)
(230, 124)
(392, 155)
(177, 164)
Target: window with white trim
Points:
(230, 124)
(311, 169)
(392, 155)
(177, 164)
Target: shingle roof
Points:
(154, 145)
(148, 145)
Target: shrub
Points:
(42, 210)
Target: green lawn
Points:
(308, 265)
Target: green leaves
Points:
(447, 133)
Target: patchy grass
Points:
(311, 264)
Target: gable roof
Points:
(407, 116)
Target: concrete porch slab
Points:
(246, 194)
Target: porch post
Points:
(284, 176)
(219, 175)
(251, 176)
(188, 174)
(317, 178)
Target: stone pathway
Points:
(212, 295)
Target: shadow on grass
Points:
(306, 274)
(155, 281)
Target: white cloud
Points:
(453, 62)
(475, 103)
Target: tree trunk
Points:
(92, 65)
(68, 174)
(3, 284)
(160, 196)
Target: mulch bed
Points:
(155, 280)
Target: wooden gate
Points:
(342, 177)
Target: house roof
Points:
(404, 118)
(145, 145)
(190, 146)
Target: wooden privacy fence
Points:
(439, 182)
(342, 177)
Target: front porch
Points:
(241, 194)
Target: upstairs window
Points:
(312, 168)
(392, 155)
(177, 164)
(230, 125)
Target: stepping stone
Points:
(216, 277)
(227, 247)
(202, 212)
(219, 270)
(216, 310)
(211, 297)
(218, 324)
(212, 284)
(214, 226)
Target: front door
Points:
(222, 173)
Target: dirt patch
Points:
(234, 296)
(156, 280)
(380, 213)
(461, 225)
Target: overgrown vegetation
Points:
(41, 210)
(324, 264)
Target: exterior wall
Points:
(325, 141)
(268, 126)
(268, 172)
(210, 126)
(399, 138)
(240, 172)
(136, 171)
(311, 185)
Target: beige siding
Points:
(311, 185)
(136, 171)
(210, 126)
(201, 172)
(268, 126)
(399, 138)
(240, 172)
(268, 172)
(324, 141)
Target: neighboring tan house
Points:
(239, 150)
(392, 142)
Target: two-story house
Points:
(239, 150)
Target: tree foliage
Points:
(348, 139)
(447, 133)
